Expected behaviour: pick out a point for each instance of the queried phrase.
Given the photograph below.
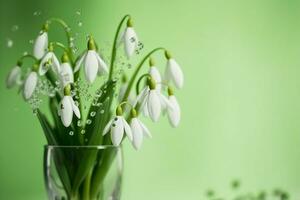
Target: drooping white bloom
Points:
(130, 39)
(30, 84)
(13, 77)
(49, 59)
(139, 130)
(67, 107)
(150, 98)
(174, 112)
(117, 126)
(41, 43)
(66, 72)
(173, 72)
(93, 63)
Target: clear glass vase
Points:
(83, 172)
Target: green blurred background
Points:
(240, 103)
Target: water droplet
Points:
(102, 111)
(80, 23)
(78, 12)
(79, 123)
(71, 133)
(82, 131)
(88, 121)
(14, 28)
(37, 13)
(25, 53)
(93, 114)
(31, 41)
(9, 43)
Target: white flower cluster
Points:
(150, 100)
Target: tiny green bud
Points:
(67, 90)
(129, 22)
(170, 91)
(51, 47)
(65, 58)
(151, 83)
(19, 63)
(45, 27)
(133, 113)
(35, 67)
(168, 54)
(91, 44)
(119, 111)
(151, 62)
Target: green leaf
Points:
(58, 156)
(89, 157)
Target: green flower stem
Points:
(20, 61)
(137, 87)
(138, 68)
(86, 186)
(67, 31)
(114, 49)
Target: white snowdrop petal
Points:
(102, 67)
(127, 129)
(55, 64)
(79, 62)
(117, 131)
(44, 68)
(107, 127)
(174, 114)
(13, 77)
(137, 133)
(154, 105)
(91, 66)
(66, 111)
(146, 131)
(176, 73)
(66, 74)
(141, 96)
(30, 85)
(74, 107)
(40, 45)
(165, 102)
(130, 41)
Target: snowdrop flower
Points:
(154, 73)
(66, 71)
(30, 82)
(130, 39)
(49, 59)
(150, 98)
(117, 126)
(41, 43)
(174, 112)
(139, 130)
(173, 71)
(68, 107)
(92, 62)
(14, 76)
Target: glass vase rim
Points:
(80, 146)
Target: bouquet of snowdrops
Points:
(114, 109)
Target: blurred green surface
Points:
(240, 103)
